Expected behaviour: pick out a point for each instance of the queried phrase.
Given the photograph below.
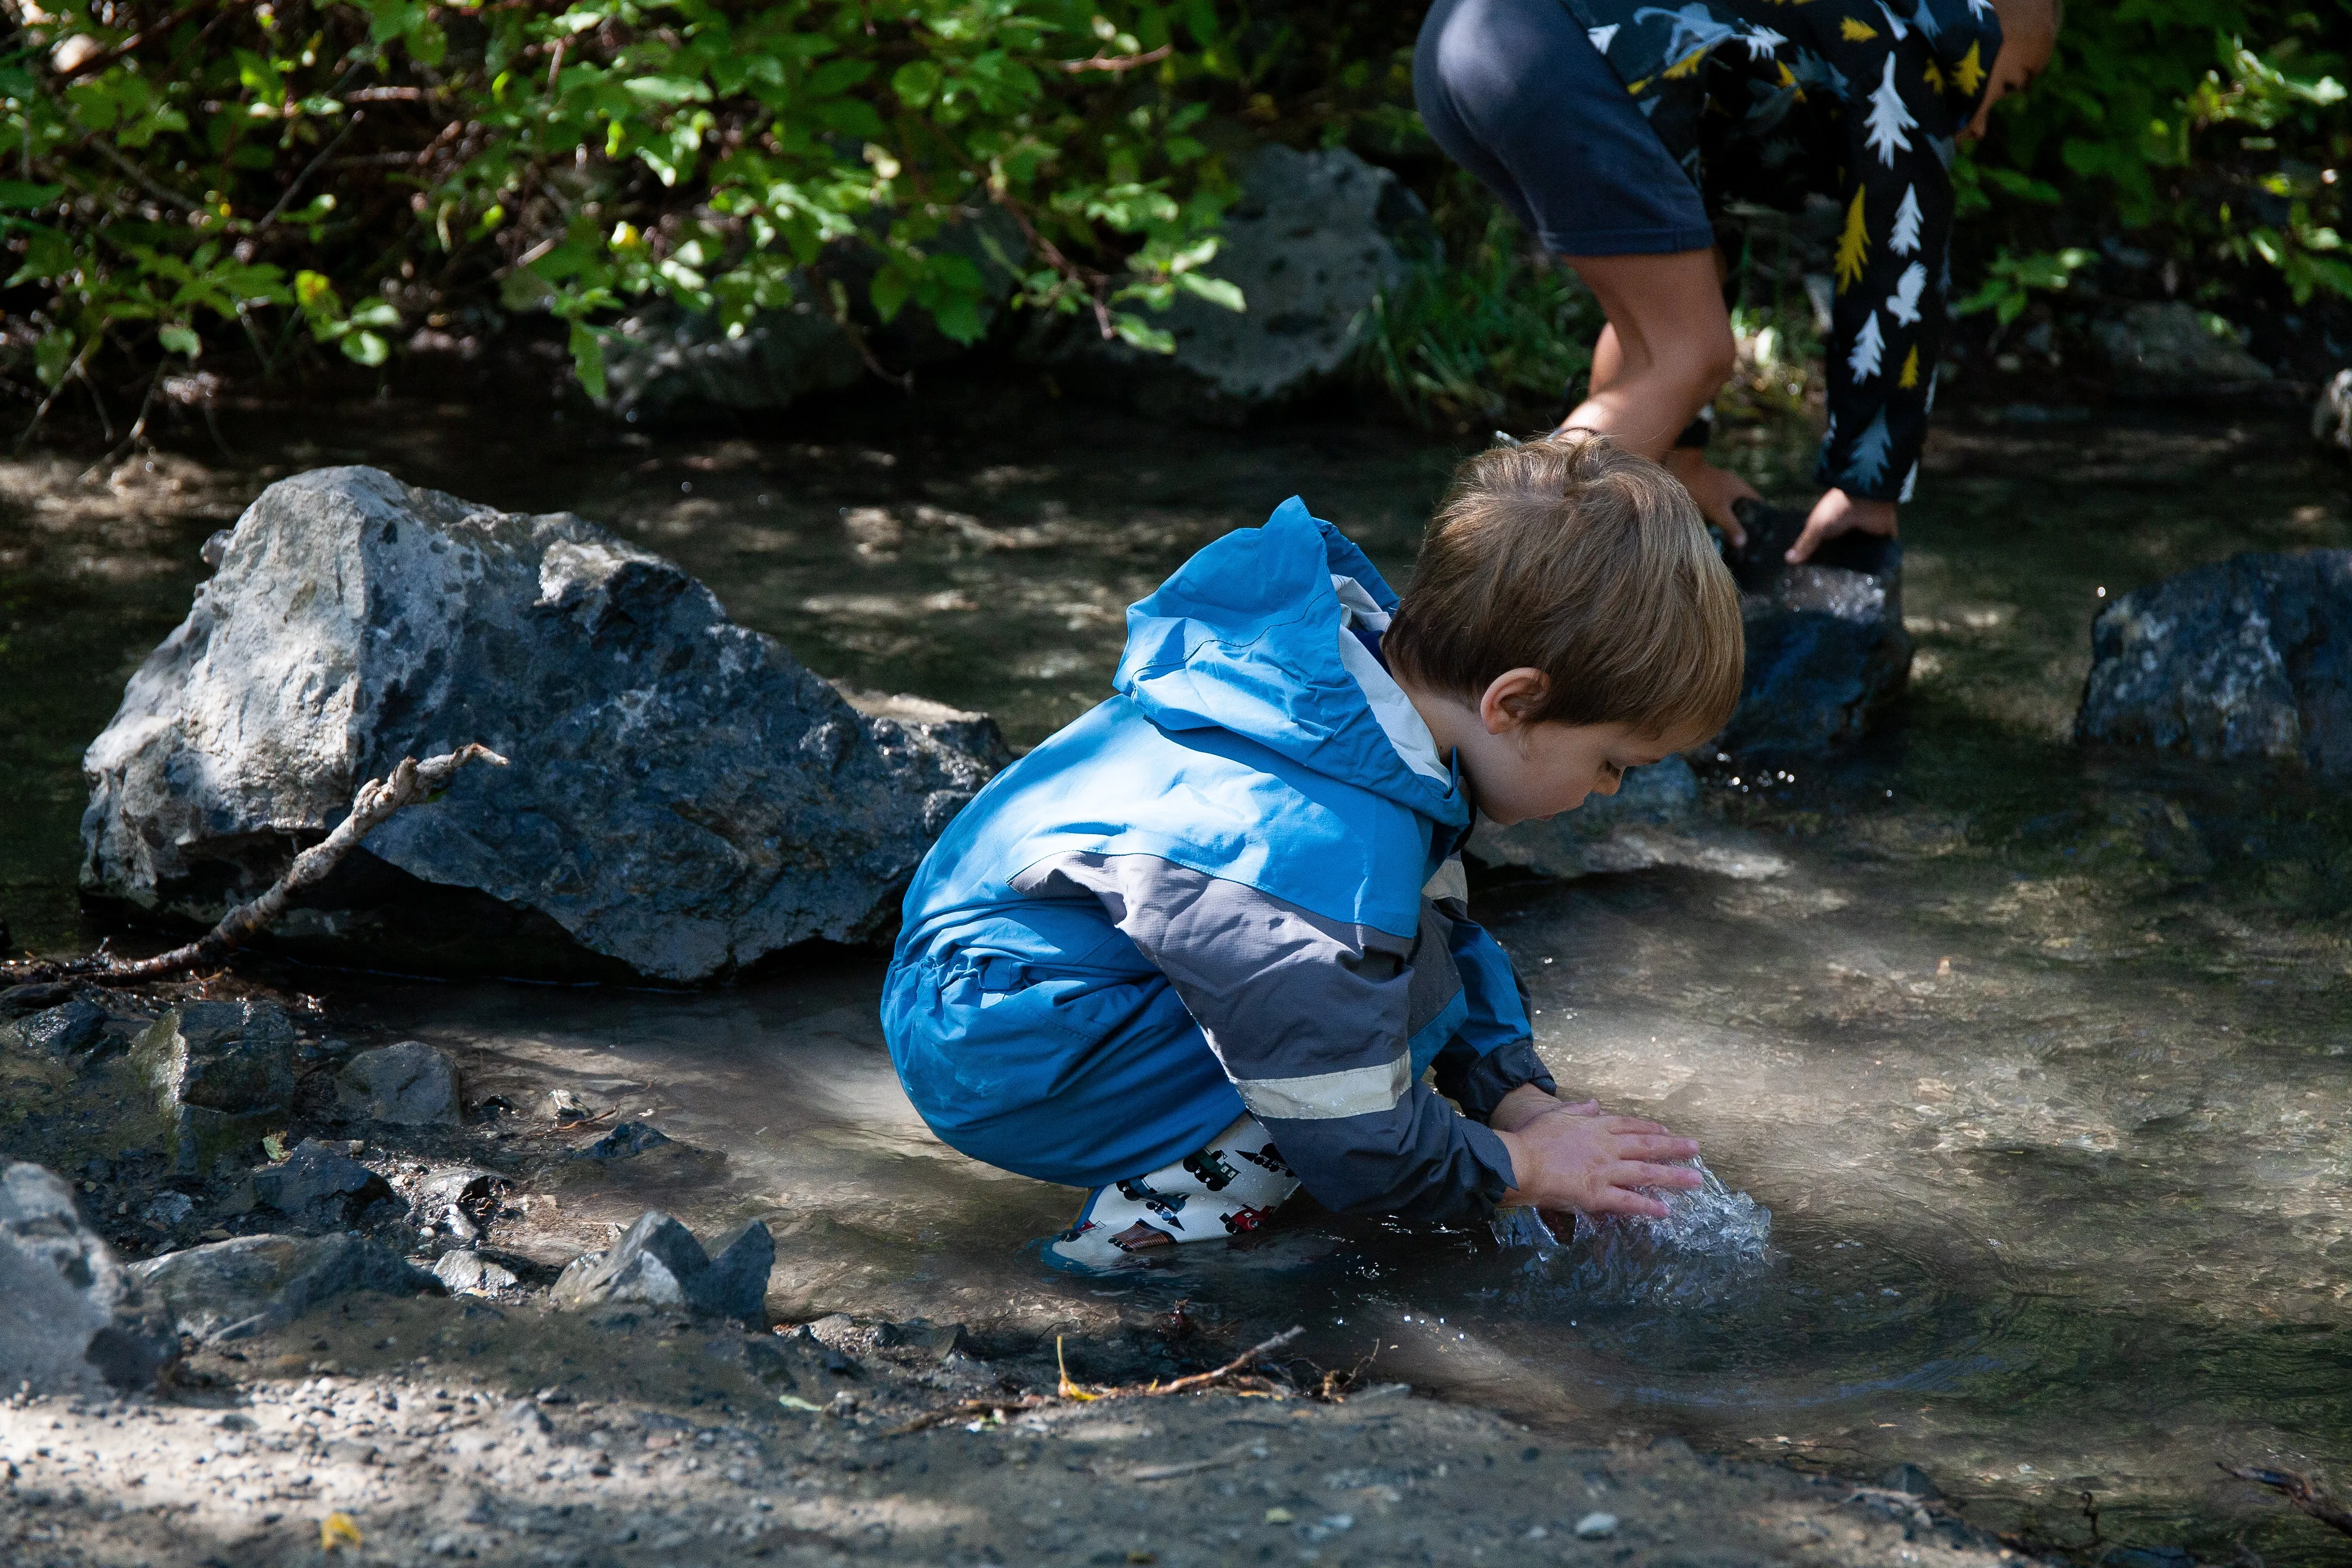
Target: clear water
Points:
(2039, 1059)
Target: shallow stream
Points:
(2038, 1058)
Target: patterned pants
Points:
(1228, 1188)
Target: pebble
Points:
(1596, 1527)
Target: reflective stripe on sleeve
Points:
(1327, 1096)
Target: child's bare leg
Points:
(1665, 352)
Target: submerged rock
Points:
(659, 1264)
(2170, 350)
(1827, 654)
(624, 1139)
(1315, 239)
(1655, 818)
(409, 1085)
(222, 1074)
(320, 1187)
(234, 1289)
(2246, 658)
(72, 1321)
(685, 796)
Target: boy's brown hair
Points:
(1589, 563)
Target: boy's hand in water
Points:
(1574, 1157)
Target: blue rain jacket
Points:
(1233, 885)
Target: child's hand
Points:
(1571, 1158)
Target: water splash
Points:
(1713, 1244)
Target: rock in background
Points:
(685, 797)
(72, 1321)
(1313, 239)
(2246, 658)
(2168, 350)
(665, 359)
(2331, 417)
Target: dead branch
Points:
(376, 802)
(1233, 1373)
(1117, 65)
(2307, 1496)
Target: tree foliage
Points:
(340, 169)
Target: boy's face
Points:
(1529, 772)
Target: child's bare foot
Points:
(1569, 1158)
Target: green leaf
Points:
(1215, 291)
(378, 312)
(588, 358)
(890, 290)
(181, 341)
(667, 90)
(18, 196)
(53, 355)
(47, 253)
(367, 347)
(917, 83)
(1135, 330)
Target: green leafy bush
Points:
(187, 171)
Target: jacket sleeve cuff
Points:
(1479, 1083)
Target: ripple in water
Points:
(1714, 1245)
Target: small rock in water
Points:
(18, 1000)
(1911, 1481)
(1596, 1527)
(628, 1137)
(410, 1085)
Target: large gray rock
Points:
(1655, 818)
(2331, 417)
(232, 1290)
(684, 797)
(71, 1320)
(659, 1264)
(2168, 350)
(1827, 654)
(222, 1076)
(69, 1029)
(1313, 240)
(408, 1085)
(2246, 658)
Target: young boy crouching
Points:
(1201, 947)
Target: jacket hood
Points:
(1245, 637)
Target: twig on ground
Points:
(1233, 1372)
(376, 802)
(2308, 1496)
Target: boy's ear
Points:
(1513, 699)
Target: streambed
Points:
(2039, 1057)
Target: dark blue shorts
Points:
(1516, 93)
